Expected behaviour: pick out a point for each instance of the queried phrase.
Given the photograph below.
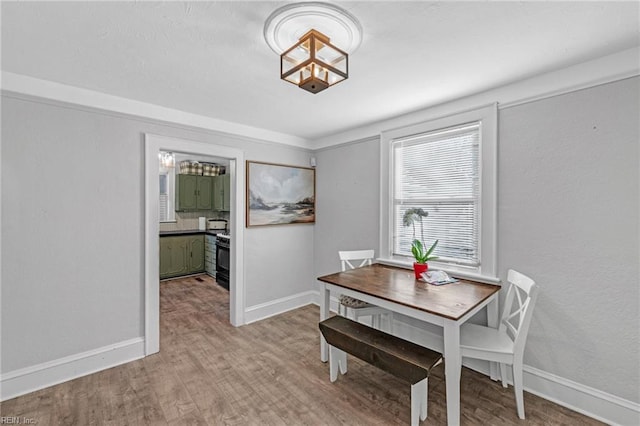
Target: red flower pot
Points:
(419, 268)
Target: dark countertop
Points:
(189, 232)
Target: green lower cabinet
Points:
(181, 255)
(196, 251)
(174, 257)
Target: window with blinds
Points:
(164, 198)
(438, 171)
(167, 195)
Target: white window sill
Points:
(454, 273)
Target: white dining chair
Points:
(355, 308)
(505, 345)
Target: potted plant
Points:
(419, 250)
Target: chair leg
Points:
(517, 387)
(350, 313)
(503, 374)
(419, 401)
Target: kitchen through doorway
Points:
(199, 152)
(194, 210)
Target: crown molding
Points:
(618, 66)
(607, 69)
(34, 87)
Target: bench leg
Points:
(342, 362)
(337, 361)
(419, 394)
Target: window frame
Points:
(487, 116)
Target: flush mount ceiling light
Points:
(314, 41)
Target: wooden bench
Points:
(397, 356)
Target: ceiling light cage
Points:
(307, 36)
(314, 64)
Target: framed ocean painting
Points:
(278, 194)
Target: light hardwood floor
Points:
(266, 373)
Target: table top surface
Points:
(399, 285)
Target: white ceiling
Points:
(210, 58)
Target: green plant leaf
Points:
(432, 248)
(417, 249)
(428, 254)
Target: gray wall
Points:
(568, 213)
(348, 186)
(73, 249)
(73, 230)
(568, 216)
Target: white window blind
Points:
(164, 198)
(167, 194)
(439, 171)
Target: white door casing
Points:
(153, 145)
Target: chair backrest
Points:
(518, 308)
(349, 259)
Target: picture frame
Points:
(279, 194)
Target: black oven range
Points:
(223, 242)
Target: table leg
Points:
(452, 365)
(492, 321)
(324, 314)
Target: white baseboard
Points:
(575, 396)
(583, 399)
(591, 402)
(278, 306)
(30, 379)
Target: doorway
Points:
(153, 145)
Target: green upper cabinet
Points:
(222, 193)
(194, 192)
(186, 192)
(205, 192)
(226, 196)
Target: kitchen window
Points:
(446, 167)
(167, 194)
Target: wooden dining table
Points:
(397, 290)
